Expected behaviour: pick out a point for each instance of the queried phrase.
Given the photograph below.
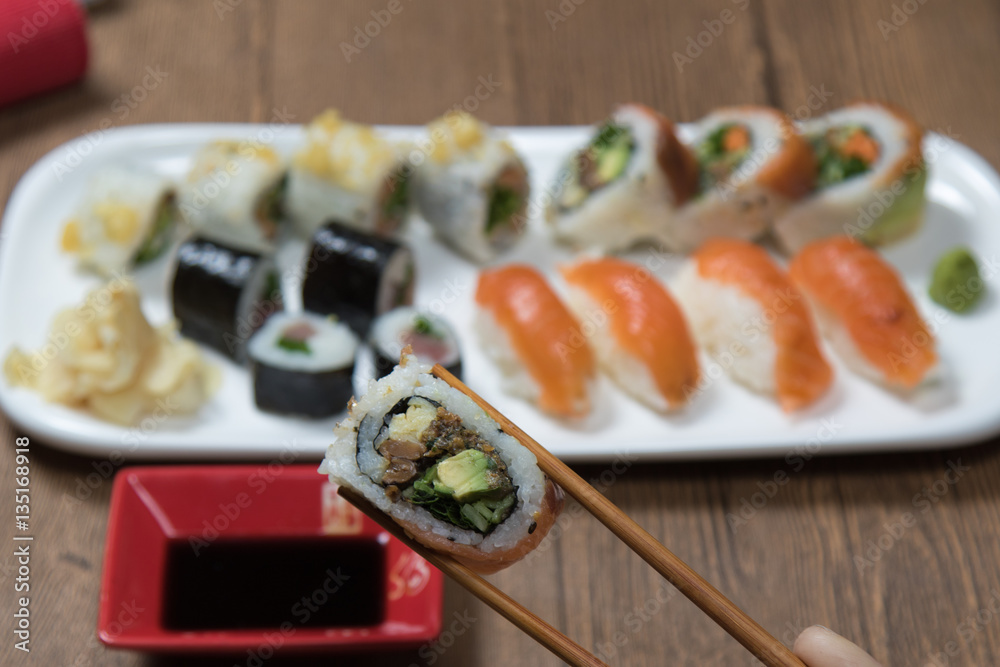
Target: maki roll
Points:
(348, 172)
(222, 295)
(234, 192)
(535, 340)
(430, 338)
(871, 178)
(865, 312)
(473, 188)
(754, 163)
(745, 311)
(643, 342)
(125, 219)
(625, 185)
(302, 365)
(431, 459)
(356, 276)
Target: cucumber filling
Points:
(844, 152)
(159, 234)
(504, 204)
(398, 200)
(604, 161)
(271, 208)
(424, 455)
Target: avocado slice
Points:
(470, 476)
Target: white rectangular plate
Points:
(36, 281)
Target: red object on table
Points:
(43, 45)
(152, 507)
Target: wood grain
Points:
(804, 555)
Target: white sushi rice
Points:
(840, 208)
(635, 207)
(332, 347)
(117, 215)
(413, 378)
(515, 379)
(454, 195)
(739, 207)
(389, 332)
(222, 193)
(722, 318)
(342, 173)
(625, 369)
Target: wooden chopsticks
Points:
(564, 647)
(731, 618)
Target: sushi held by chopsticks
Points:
(431, 459)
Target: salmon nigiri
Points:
(535, 340)
(865, 311)
(753, 322)
(640, 335)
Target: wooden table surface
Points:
(811, 554)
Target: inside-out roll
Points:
(126, 218)
(472, 187)
(348, 172)
(431, 459)
(624, 186)
(235, 193)
(871, 178)
(754, 164)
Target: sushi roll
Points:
(624, 186)
(865, 312)
(641, 339)
(430, 337)
(754, 164)
(750, 318)
(234, 193)
(473, 187)
(222, 295)
(431, 459)
(347, 172)
(356, 276)
(871, 178)
(535, 341)
(302, 365)
(126, 218)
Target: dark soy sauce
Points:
(255, 583)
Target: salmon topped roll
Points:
(431, 459)
(751, 319)
(871, 178)
(754, 164)
(534, 340)
(865, 312)
(625, 184)
(642, 340)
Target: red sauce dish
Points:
(256, 558)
